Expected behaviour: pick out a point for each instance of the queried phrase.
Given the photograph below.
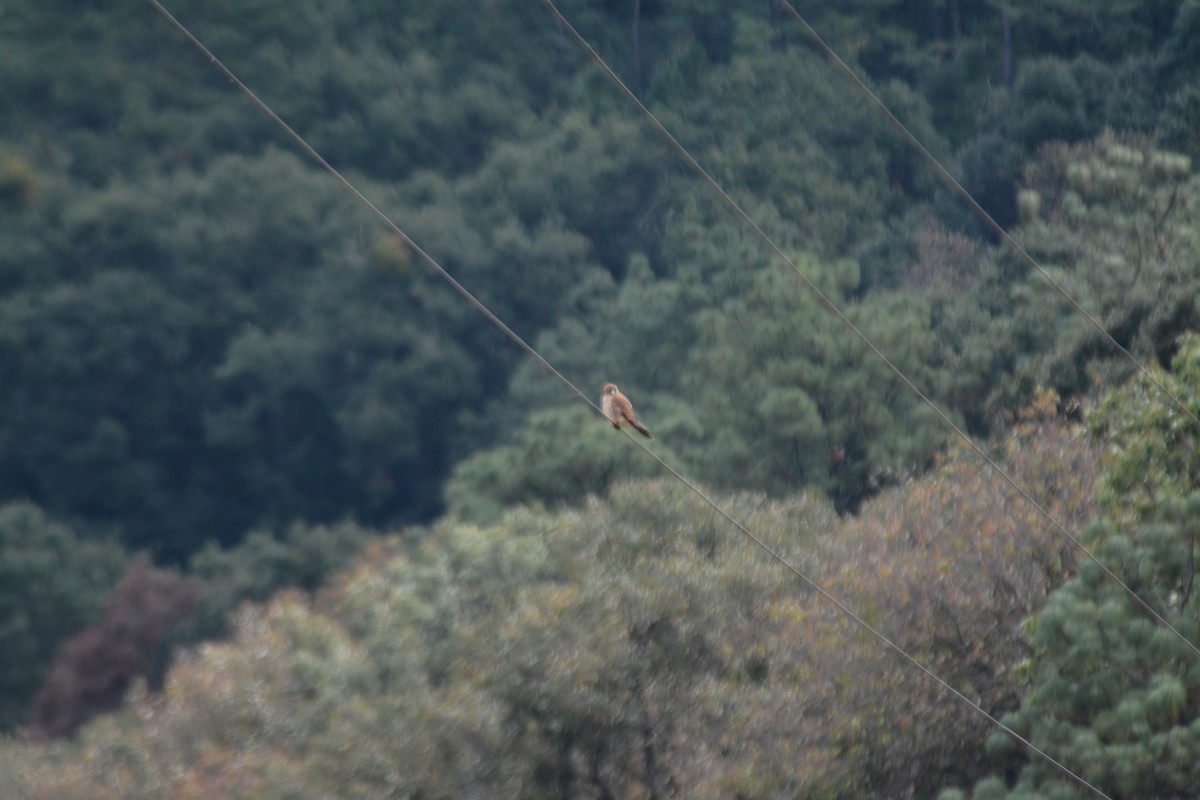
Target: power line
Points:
(495, 320)
(833, 308)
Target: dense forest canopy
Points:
(223, 382)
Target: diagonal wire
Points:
(495, 320)
(987, 218)
(833, 308)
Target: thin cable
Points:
(996, 227)
(734, 206)
(495, 320)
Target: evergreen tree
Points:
(786, 396)
(1111, 694)
(1106, 221)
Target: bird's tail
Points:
(642, 429)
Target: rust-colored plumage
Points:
(619, 410)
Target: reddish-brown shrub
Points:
(94, 668)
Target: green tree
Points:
(1175, 69)
(1150, 437)
(123, 301)
(1110, 688)
(787, 397)
(95, 421)
(728, 325)
(1106, 222)
(304, 558)
(52, 584)
(634, 645)
(830, 175)
(1072, 26)
(562, 456)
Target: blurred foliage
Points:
(209, 354)
(761, 390)
(949, 568)
(785, 397)
(635, 645)
(52, 584)
(200, 336)
(563, 456)
(303, 558)
(94, 667)
(1149, 438)
(1112, 692)
(1110, 221)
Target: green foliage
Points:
(237, 356)
(786, 397)
(604, 177)
(1052, 100)
(1176, 71)
(232, 269)
(635, 645)
(1176, 61)
(1110, 693)
(201, 337)
(563, 456)
(1051, 103)
(392, 93)
(831, 178)
(780, 396)
(340, 408)
(98, 375)
(52, 584)
(1070, 26)
(110, 383)
(262, 564)
(1107, 222)
(1149, 438)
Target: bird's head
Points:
(609, 388)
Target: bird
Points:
(619, 410)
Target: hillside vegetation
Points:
(281, 516)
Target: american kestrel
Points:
(619, 410)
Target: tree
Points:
(949, 567)
(1110, 688)
(563, 456)
(636, 644)
(1175, 70)
(94, 668)
(1150, 436)
(787, 397)
(1105, 221)
(52, 584)
(97, 381)
(303, 558)
(826, 173)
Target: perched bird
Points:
(619, 410)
